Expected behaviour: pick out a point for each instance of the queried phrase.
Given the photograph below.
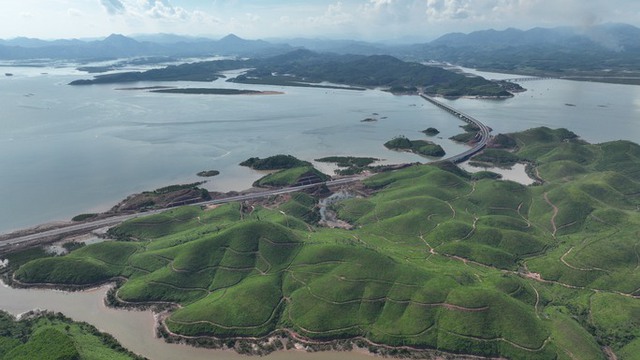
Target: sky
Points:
(370, 20)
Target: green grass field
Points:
(436, 258)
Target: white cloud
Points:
(439, 10)
(523, 13)
(162, 9)
(152, 9)
(113, 7)
(335, 14)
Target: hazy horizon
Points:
(368, 20)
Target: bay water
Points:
(66, 150)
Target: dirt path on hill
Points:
(553, 217)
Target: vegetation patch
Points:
(350, 164)
(276, 162)
(496, 157)
(208, 173)
(465, 138)
(53, 336)
(83, 217)
(292, 176)
(502, 141)
(403, 90)
(420, 147)
(431, 131)
(168, 196)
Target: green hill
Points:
(421, 147)
(52, 336)
(435, 259)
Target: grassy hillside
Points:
(288, 171)
(293, 176)
(54, 337)
(435, 259)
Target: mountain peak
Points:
(116, 37)
(231, 37)
(119, 39)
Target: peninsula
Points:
(489, 267)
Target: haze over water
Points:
(67, 150)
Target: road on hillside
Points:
(96, 224)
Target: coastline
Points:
(279, 340)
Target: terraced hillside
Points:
(436, 259)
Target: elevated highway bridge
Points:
(483, 132)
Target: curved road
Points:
(10, 242)
(92, 225)
(483, 133)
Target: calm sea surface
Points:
(66, 150)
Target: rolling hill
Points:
(436, 260)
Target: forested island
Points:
(310, 69)
(421, 147)
(437, 260)
(286, 171)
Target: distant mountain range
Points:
(558, 50)
(119, 46)
(610, 47)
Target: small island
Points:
(208, 173)
(431, 131)
(420, 147)
(276, 162)
(214, 91)
(290, 171)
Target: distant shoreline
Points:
(214, 91)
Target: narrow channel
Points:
(135, 329)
